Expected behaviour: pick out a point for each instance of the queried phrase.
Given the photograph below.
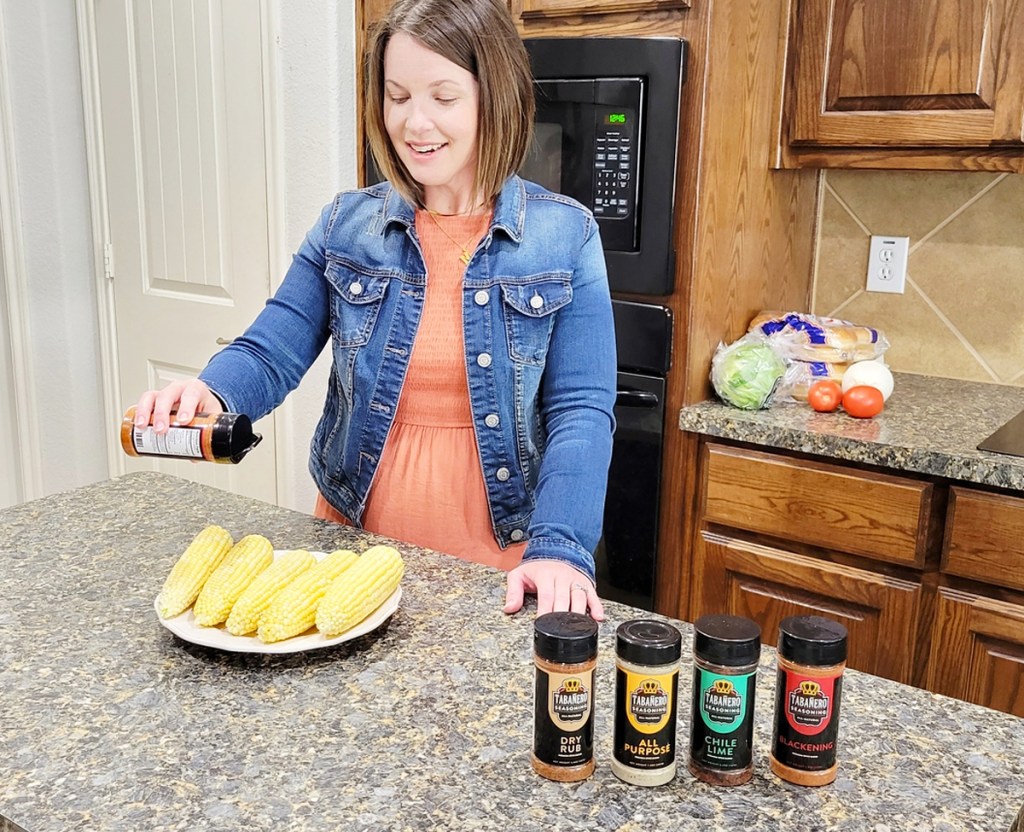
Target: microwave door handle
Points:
(629, 397)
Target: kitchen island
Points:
(112, 723)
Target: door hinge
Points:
(108, 260)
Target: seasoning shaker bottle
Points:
(221, 437)
(646, 683)
(812, 658)
(565, 656)
(726, 650)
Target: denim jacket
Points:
(539, 344)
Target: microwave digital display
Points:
(615, 118)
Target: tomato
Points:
(824, 396)
(863, 402)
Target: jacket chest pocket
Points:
(355, 303)
(529, 315)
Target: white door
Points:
(182, 109)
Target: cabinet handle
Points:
(627, 397)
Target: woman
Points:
(470, 402)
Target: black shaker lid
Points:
(648, 642)
(812, 640)
(727, 640)
(565, 637)
(233, 437)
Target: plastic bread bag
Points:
(800, 375)
(747, 373)
(803, 337)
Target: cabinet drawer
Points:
(985, 538)
(876, 515)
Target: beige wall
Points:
(962, 315)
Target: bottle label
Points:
(645, 719)
(563, 719)
(806, 724)
(722, 719)
(183, 441)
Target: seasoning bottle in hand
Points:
(221, 437)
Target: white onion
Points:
(870, 374)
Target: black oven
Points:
(626, 555)
(606, 134)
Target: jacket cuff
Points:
(563, 551)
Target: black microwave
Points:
(607, 134)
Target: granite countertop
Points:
(929, 426)
(109, 722)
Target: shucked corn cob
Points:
(358, 591)
(245, 614)
(188, 575)
(247, 559)
(293, 609)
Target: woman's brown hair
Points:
(479, 36)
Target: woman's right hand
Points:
(188, 397)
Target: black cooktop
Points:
(1009, 439)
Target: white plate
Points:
(184, 626)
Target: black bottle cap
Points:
(648, 642)
(812, 640)
(233, 437)
(727, 640)
(565, 637)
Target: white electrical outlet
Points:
(887, 264)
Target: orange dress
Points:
(429, 488)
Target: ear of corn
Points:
(247, 559)
(196, 564)
(293, 610)
(360, 590)
(245, 614)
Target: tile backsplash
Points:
(962, 314)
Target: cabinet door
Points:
(767, 585)
(946, 73)
(977, 651)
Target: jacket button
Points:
(484, 359)
(481, 298)
(355, 288)
(517, 534)
(502, 474)
(536, 301)
(491, 420)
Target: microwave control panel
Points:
(615, 155)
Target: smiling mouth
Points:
(426, 149)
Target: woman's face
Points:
(431, 108)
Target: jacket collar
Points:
(509, 209)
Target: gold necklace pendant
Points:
(466, 255)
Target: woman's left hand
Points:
(558, 588)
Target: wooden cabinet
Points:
(935, 83)
(767, 584)
(876, 515)
(977, 651)
(926, 574)
(540, 9)
(985, 538)
(782, 536)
